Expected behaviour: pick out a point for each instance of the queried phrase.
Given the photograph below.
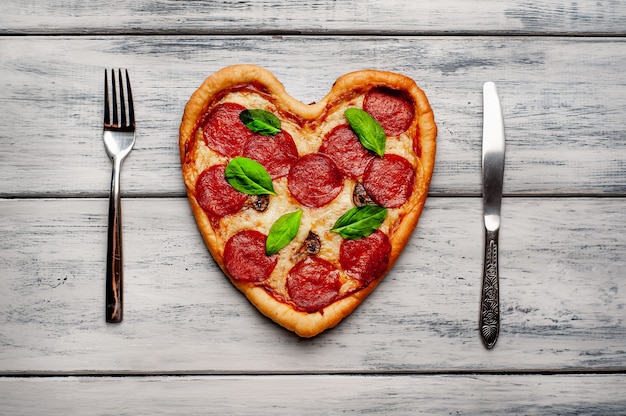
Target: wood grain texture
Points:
(315, 395)
(190, 343)
(562, 287)
(325, 16)
(562, 99)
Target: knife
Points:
(493, 173)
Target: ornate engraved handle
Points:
(489, 322)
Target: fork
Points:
(119, 139)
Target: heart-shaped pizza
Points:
(306, 207)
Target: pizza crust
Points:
(345, 88)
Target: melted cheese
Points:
(308, 139)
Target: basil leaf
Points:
(370, 133)
(249, 176)
(282, 232)
(260, 121)
(360, 221)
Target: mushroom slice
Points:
(258, 202)
(360, 197)
(312, 244)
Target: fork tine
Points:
(117, 90)
(107, 113)
(131, 108)
(114, 101)
(122, 101)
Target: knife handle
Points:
(489, 322)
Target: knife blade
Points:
(493, 174)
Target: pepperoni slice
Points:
(315, 180)
(391, 108)
(344, 147)
(245, 259)
(215, 195)
(367, 258)
(224, 132)
(313, 284)
(389, 180)
(276, 153)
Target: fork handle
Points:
(114, 276)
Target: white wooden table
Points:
(190, 344)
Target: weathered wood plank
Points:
(326, 16)
(562, 99)
(315, 395)
(563, 295)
